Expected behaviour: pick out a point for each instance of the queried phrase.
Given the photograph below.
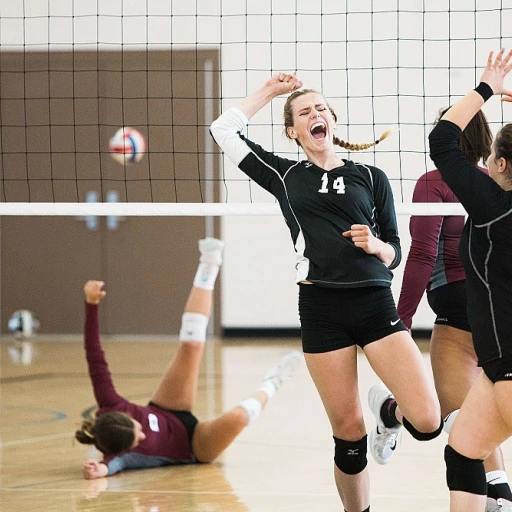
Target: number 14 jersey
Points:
(318, 206)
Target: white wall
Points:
(258, 278)
(381, 68)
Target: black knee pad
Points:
(350, 456)
(464, 474)
(422, 436)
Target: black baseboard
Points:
(291, 332)
(261, 332)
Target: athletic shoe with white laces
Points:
(211, 250)
(287, 366)
(499, 505)
(383, 440)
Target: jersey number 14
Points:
(338, 185)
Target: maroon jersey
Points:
(433, 259)
(167, 440)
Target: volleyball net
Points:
(73, 73)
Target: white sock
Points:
(252, 407)
(269, 387)
(497, 477)
(206, 275)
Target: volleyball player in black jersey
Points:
(485, 418)
(342, 221)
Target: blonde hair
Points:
(360, 147)
(288, 123)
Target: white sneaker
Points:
(287, 366)
(383, 440)
(211, 250)
(499, 505)
(448, 421)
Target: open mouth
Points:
(319, 131)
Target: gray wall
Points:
(59, 111)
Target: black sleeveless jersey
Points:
(485, 246)
(318, 206)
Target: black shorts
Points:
(186, 417)
(334, 318)
(449, 302)
(499, 369)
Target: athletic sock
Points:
(387, 414)
(270, 387)
(498, 486)
(253, 408)
(206, 275)
(209, 263)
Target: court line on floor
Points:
(220, 493)
(30, 440)
(240, 495)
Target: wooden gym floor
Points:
(281, 463)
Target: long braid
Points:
(288, 122)
(359, 147)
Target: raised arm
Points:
(103, 386)
(481, 196)
(491, 82)
(264, 167)
(281, 83)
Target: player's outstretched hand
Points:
(496, 71)
(93, 292)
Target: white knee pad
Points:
(193, 327)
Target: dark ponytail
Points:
(111, 433)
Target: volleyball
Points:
(23, 323)
(127, 146)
